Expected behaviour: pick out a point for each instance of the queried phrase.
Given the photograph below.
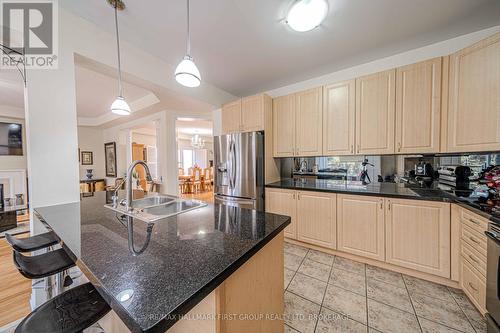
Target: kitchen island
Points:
(221, 266)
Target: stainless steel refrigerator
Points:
(239, 170)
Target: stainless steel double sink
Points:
(154, 208)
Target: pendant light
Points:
(119, 106)
(186, 72)
(306, 15)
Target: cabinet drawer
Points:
(476, 240)
(473, 285)
(474, 258)
(474, 221)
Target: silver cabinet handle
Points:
(381, 204)
(470, 285)
(473, 259)
(358, 148)
(399, 146)
(473, 240)
(352, 149)
(474, 221)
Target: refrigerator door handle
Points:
(230, 169)
(233, 162)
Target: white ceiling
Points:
(244, 47)
(95, 92)
(192, 127)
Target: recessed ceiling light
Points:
(306, 15)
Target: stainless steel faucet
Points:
(128, 200)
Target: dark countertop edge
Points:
(182, 309)
(444, 198)
(354, 192)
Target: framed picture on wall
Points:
(110, 158)
(87, 158)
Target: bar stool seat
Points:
(43, 265)
(70, 312)
(32, 243)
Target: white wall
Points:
(14, 162)
(92, 139)
(145, 139)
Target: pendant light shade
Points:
(186, 72)
(120, 107)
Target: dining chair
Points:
(197, 179)
(207, 181)
(181, 172)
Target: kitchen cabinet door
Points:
(252, 113)
(418, 235)
(338, 118)
(316, 221)
(375, 113)
(474, 97)
(309, 123)
(360, 226)
(231, 117)
(284, 126)
(418, 107)
(283, 202)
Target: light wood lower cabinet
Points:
(316, 218)
(418, 235)
(360, 226)
(283, 202)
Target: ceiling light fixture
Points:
(119, 106)
(306, 15)
(186, 72)
(197, 142)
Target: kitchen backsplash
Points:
(387, 166)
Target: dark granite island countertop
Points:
(187, 257)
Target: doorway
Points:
(143, 140)
(195, 158)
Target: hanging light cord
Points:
(120, 88)
(188, 32)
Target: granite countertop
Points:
(394, 190)
(187, 257)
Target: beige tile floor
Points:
(325, 293)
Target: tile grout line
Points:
(324, 294)
(411, 302)
(465, 314)
(366, 300)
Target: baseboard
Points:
(391, 267)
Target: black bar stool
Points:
(70, 312)
(43, 265)
(33, 243)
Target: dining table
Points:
(188, 181)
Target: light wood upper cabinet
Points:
(309, 122)
(245, 114)
(284, 126)
(316, 218)
(283, 202)
(474, 97)
(418, 235)
(360, 226)
(231, 117)
(339, 110)
(375, 113)
(418, 107)
(252, 113)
